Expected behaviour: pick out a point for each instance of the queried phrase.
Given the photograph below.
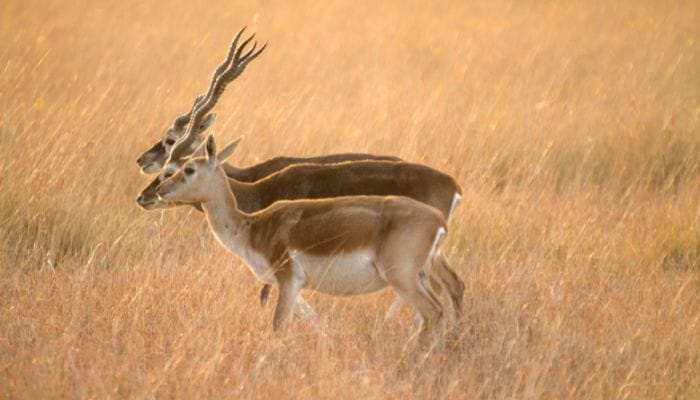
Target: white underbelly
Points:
(340, 275)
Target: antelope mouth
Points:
(163, 194)
(150, 168)
(146, 204)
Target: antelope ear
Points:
(229, 149)
(207, 121)
(210, 149)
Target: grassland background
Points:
(574, 128)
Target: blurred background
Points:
(573, 128)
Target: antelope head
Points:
(167, 157)
(199, 177)
(153, 159)
(185, 131)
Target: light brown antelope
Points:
(340, 246)
(153, 159)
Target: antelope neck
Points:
(223, 215)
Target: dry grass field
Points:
(573, 127)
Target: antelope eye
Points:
(168, 174)
(169, 142)
(189, 170)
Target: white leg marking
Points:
(455, 202)
(304, 310)
(439, 237)
(393, 308)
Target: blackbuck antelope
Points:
(155, 157)
(339, 246)
(302, 181)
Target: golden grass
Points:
(573, 128)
